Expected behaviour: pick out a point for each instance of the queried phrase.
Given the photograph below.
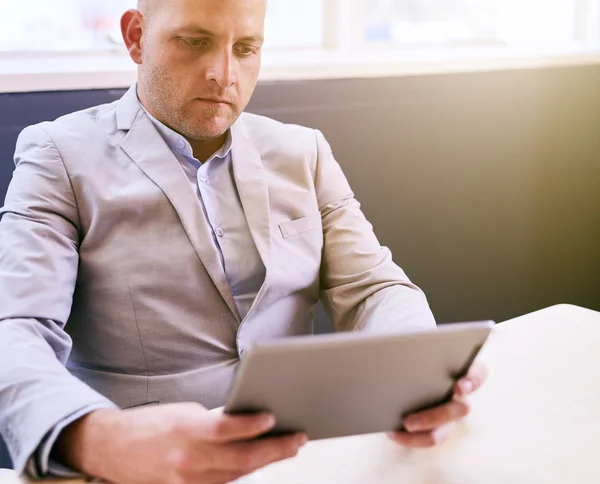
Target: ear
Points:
(132, 29)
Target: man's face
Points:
(200, 63)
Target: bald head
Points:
(146, 5)
(148, 8)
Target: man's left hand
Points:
(434, 426)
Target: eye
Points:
(195, 42)
(246, 50)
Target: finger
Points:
(477, 374)
(422, 440)
(217, 411)
(436, 417)
(250, 456)
(217, 427)
(474, 379)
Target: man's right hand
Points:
(172, 444)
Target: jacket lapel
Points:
(251, 183)
(144, 145)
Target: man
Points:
(145, 244)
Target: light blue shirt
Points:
(214, 184)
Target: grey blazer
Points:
(112, 289)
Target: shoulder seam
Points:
(62, 161)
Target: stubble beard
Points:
(160, 94)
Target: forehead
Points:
(222, 17)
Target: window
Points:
(477, 22)
(93, 25)
(61, 25)
(84, 25)
(423, 22)
(295, 23)
(76, 44)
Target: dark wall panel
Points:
(23, 109)
(485, 186)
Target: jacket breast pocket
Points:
(300, 226)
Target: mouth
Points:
(215, 101)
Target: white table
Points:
(537, 420)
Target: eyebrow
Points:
(208, 33)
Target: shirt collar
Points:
(178, 144)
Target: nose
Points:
(221, 69)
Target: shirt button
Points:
(181, 144)
(220, 232)
(203, 179)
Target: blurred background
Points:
(93, 25)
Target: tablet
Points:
(345, 384)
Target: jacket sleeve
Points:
(362, 289)
(39, 241)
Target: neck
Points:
(204, 149)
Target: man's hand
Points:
(177, 443)
(433, 426)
